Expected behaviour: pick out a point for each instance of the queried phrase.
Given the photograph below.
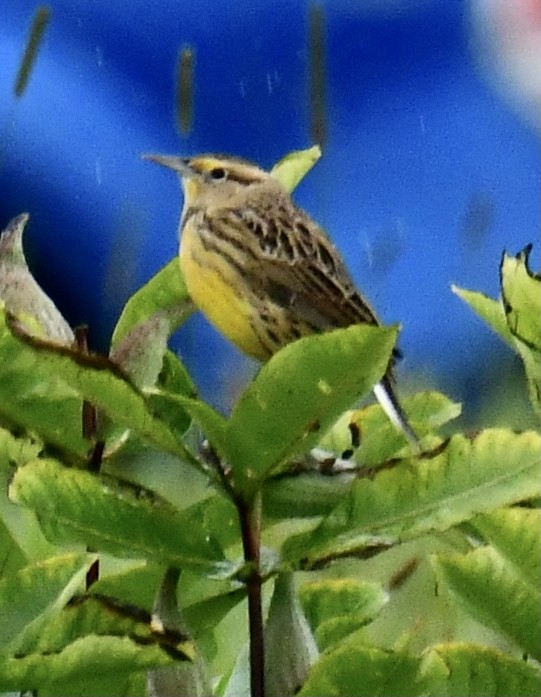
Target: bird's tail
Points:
(386, 396)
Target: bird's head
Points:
(212, 179)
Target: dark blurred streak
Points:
(37, 31)
(185, 89)
(316, 40)
(478, 219)
(398, 579)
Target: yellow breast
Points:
(219, 292)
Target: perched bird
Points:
(259, 268)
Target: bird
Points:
(260, 269)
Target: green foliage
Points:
(517, 317)
(336, 608)
(282, 412)
(469, 670)
(499, 581)
(353, 669)
(293, 167)
(434, 493)
(75, 506)
(164, 505)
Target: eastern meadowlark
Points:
(259, 268)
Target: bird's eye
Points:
(217, 173)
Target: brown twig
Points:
(250, 524)
(89, 429)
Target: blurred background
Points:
(427, 112)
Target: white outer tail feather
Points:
(389, 403)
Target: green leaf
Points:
(20, 292)
(35, 365)
(171, 411)
(173, 382)
(35, 593)
(205, 615)
(297, 395)
(290, 648)
(174, 377)
(521, 293)
(491, 311)
(212, 423)
(305, 495)
(124, 520)
(132, 581)
(90, 614)
(13, 556)
(466, 477)
(90, 661)
(21, 529)
(37, 399)
(517, 319)
(358, 670)
(532, 367)
(467, 670)
(16, 450)
(338, 607)
(516, 534)
(165, 294)
(293, 167)
(492, 591)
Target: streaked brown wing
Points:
(301, 270)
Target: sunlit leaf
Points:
(466, 477)
(516, 534)
(298, 394)
(94, 662)
(42, 366)
(517, 317)
(364, 671)
(98, 614)
(36, 398)
(467, 670)
(491, 311)
(19, 525)
(293, 167)
(34, 594)
(521, 293)
(494, 593)
(128, 521)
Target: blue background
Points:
(427, 174)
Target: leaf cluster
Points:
(172, 472)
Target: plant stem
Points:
(250, 523)
(89, 431)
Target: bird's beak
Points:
(178, 164)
